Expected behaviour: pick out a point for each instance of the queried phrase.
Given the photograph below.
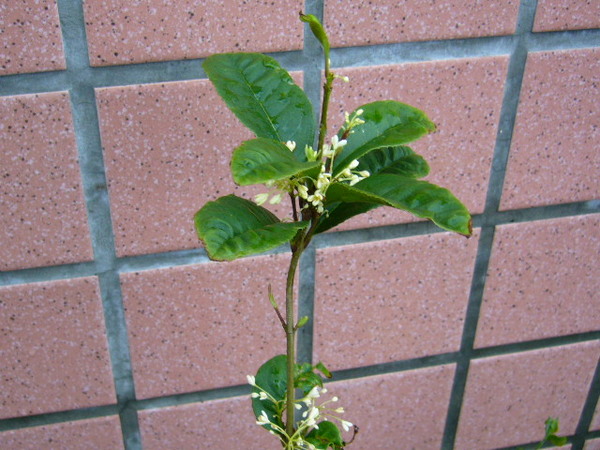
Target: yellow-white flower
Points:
(291, 145)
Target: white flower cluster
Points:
(311, 416)
(315, 194)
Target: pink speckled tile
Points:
(102, 433)
(508, 397)
(592, 444)
(126, 31)
(30, 37)
(554, 154)
(53, 348)
(397, 410)
(463, 97)
(542, 281)
(203, 326)
(554, 15)
(386, 21)
(44, 218)
(167, 152)
(391, 300)
(220, 424)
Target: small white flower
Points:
(263, 395)
(254, 395)
(353, 164)
(302, 191)
(251, 380)
(276, 199)
(354, 179)
(346, 425)
(291, 145)
(339, 410)
(262, 419)
(311, 155)
(364, 173)
(259, 199)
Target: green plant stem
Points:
(299, 244)
(290, 333)
(327, 88)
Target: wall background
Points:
(116, 330)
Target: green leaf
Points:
(339, 212)
(558, 441)
(318, 30)
(232, 227)
(387, 124)
(263, 96)
(551, 426)
(305, 378)
(321, 368)
(397, 160)
(327, 435)
(260, 160)
(418, 197)
(272, 378)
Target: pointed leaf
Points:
(327, 435)
(387, 124)
(260, 160)
(418, 197)
(338, 213)
(263, 96)
(398, 160)
(272, 378)
(232, 227)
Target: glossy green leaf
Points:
(321, 368)
(418, 197)
(339, 212)
(263, 96)
(397, 160)
(387, 124)
(557, 441)
(272, 378)
(232, 227)
(327, 435)
(260, 160)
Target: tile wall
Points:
(118, 332)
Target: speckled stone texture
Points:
(167, 152)
(53, 348)
(91, 434)
(554, 154)
(507, 397)
(399, 410)
(462, 97)
(203, 326)
(555, 15)
(30, 37)
(385, 21)
(592, 444)
(542, 281)
(385, 301)
(221, 424)
(135, 31)
(44, 219)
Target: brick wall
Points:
(117, 331)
